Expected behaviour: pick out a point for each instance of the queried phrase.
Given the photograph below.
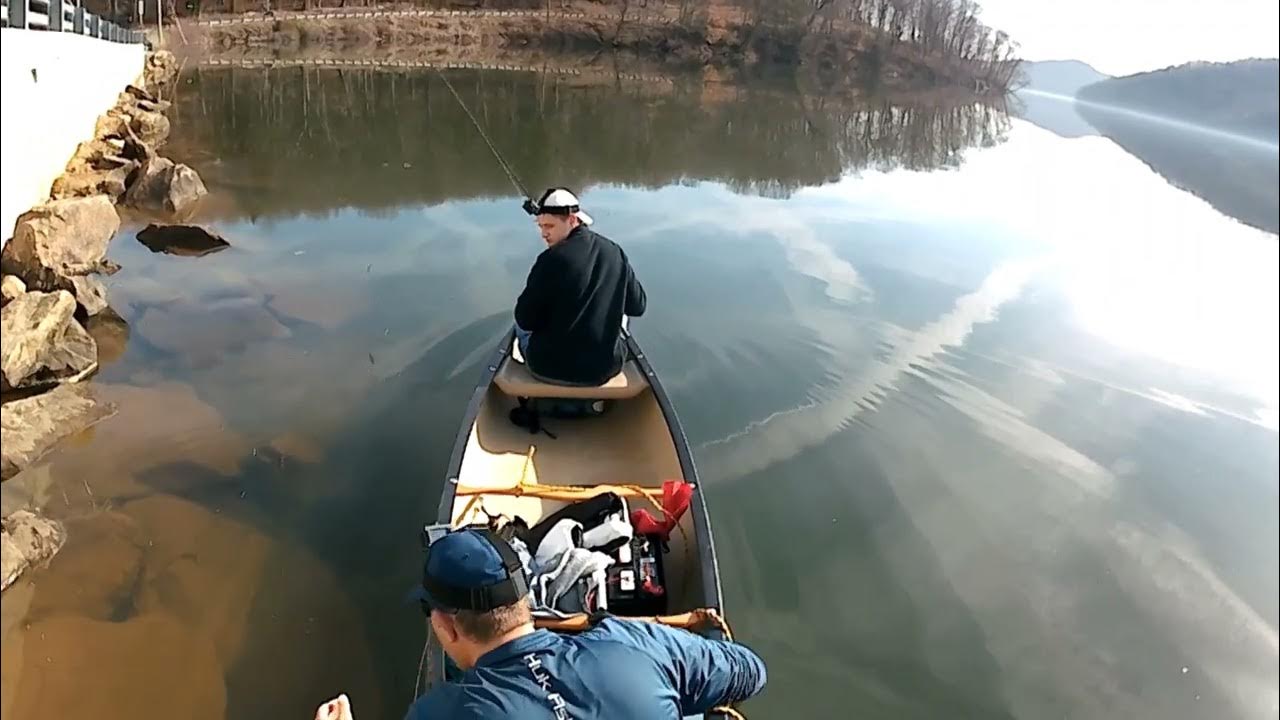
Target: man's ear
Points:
(444, 626)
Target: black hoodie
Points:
(573, 303)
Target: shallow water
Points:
(987, 417)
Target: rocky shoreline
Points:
(52, 267)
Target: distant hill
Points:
(1208, 128)
(1238, 97)
(1047, 95)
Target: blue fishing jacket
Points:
(617, 670)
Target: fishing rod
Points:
(529, 205)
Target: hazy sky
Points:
(1119, 37)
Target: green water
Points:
(987, 417)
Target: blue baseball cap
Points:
(470, 570)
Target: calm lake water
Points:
(987, 417)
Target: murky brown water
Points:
(987, 417)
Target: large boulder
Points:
(160, 68)
(41, 343)
(59, 239)
(12, 288)
(139, 97)
(111, 124)
(137, 120)
(157, 106)
(91, 181)
(100, 166)
(91, 294)
(35, 424)
(164, 187)
(26, 539)
(99, 152)
(132, 94)
(137, 113)
(151, 128)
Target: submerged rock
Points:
(41, 343)
(99, 569)
(162, 186)
(27, 540)
(184, 240)
(204, 332)
(60, 239)
(35, 424)
(111, 333)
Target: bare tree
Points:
(622, 19)
(817, 7)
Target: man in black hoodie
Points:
(569, 317)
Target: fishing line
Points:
(506, 167)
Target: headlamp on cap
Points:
(557, 201)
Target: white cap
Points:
(559, 201)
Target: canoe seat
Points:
(514, 379)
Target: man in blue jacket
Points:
(476, 595)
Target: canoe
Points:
(631, 449)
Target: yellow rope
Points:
(524, 488)
(559, 492)
(563, 492)
(528, 460)
(466, 510)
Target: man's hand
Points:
(338, 708)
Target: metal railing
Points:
(63, 16)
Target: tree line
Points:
(948, 32)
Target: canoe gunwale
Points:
(444, 512)
(707, 563)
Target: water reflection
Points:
(985, 442)
(1055, 112)
(386, 139)
(1234, 173)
